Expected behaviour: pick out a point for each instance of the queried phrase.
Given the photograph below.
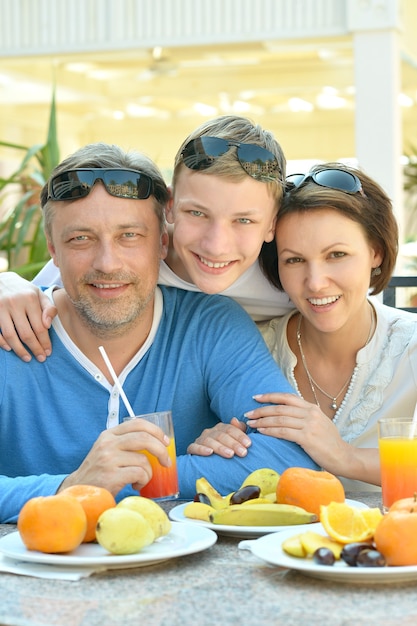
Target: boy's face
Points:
(219, 226)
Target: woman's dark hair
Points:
(372, 211)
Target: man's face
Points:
(108, 250)
(219, 227)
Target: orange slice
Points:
(344, 523)
(372, 517)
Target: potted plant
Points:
(22, 239)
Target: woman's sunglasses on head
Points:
(121, 183)
(258, 162)
(331, 178)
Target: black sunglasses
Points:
(332, 178)
(122, 183)
(258, 162)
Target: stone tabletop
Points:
(222, 585)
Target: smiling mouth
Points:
(323, 301)
(107, 286)
(215, 265)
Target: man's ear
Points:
(169, 210)
(52, 251)
(164, 245)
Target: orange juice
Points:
(164, 481)
(398, 457)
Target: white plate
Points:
(177, 515)
(269, 549)
(181, 540)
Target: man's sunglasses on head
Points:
(121, 183)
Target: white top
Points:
(384, 382)
(251, 290)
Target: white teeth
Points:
(100, 286)
(323, 301)
(215, 265)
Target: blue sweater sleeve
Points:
(14, 492)
(227, 475)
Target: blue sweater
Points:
(206, 361)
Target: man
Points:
(200, 356)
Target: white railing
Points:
(31, 27)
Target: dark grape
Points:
(324, 556)
(351, 551)
(370, 558)
(201, 497)
(249, 492)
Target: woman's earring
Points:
(376, 271)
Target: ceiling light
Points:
(79, 68)
(137, 110)
(204, 109)
(298, 104)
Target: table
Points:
(222, 585)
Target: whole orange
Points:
(94, 500)
(52, 523)
(309, 488)
(405, 504)
(396, 537)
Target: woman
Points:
(351, 359)
(228, 183)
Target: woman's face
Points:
(219, 226)
(325, 264)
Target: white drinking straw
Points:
(413, 424)
(116, 381)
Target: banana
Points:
(217, 501)
(262, 515)
(266, 478)
(198, 510)
(294, 547)
(311, 541)
(305, 545)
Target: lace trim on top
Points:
(375, 367)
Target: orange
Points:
(94, 500)
(396, 537)
(346, 524)
(52, 523)
(405, 504)
(309, 488)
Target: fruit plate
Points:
(269, 549)
(177, 515)
(181, 540)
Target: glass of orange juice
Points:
(164, 482)
(397, 442)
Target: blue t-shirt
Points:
(206, 362)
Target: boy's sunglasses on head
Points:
(258, 162)
(122, 183)
(331, 178)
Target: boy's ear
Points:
(270, 235)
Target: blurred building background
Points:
(333, 79)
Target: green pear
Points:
(123, 531)
(265, 478)
(151, 511)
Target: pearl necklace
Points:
(311, 380)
